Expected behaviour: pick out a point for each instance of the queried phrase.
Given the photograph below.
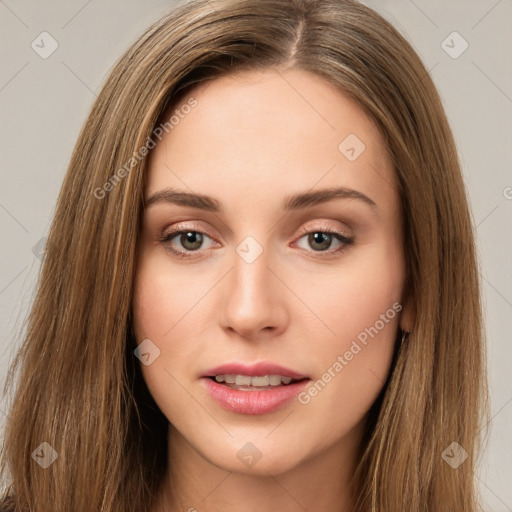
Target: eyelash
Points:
(166, 237)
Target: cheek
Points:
(149, 304)
(361, 305)
(165, 310)
(161, 298)
(153, 319)
(353, 296)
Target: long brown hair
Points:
(79, 388)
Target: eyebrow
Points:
(294, 202)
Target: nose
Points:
(254, 300)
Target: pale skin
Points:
(252, 141)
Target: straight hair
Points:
(79, 388)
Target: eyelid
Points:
(190, 225)
(323, 226)
(344, 238)
(305, 229)
(179, 228)
(173, 231)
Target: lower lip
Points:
(253, 402)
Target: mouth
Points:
(253, 389)
(255, 383)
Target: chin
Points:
(255, 458)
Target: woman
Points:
(260, 287)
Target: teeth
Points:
(243, 380)
(259, 381)
(275, 380)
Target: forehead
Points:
(272, 132)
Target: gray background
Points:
(44, 102)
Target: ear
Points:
(408, 315)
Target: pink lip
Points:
(252, 402)
(253, 370)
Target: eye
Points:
(187, 240)
(184, 242)
(322, 239)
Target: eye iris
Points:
(321, 238)
(191, 237)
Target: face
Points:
(271, 243)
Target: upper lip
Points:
(253, 370)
